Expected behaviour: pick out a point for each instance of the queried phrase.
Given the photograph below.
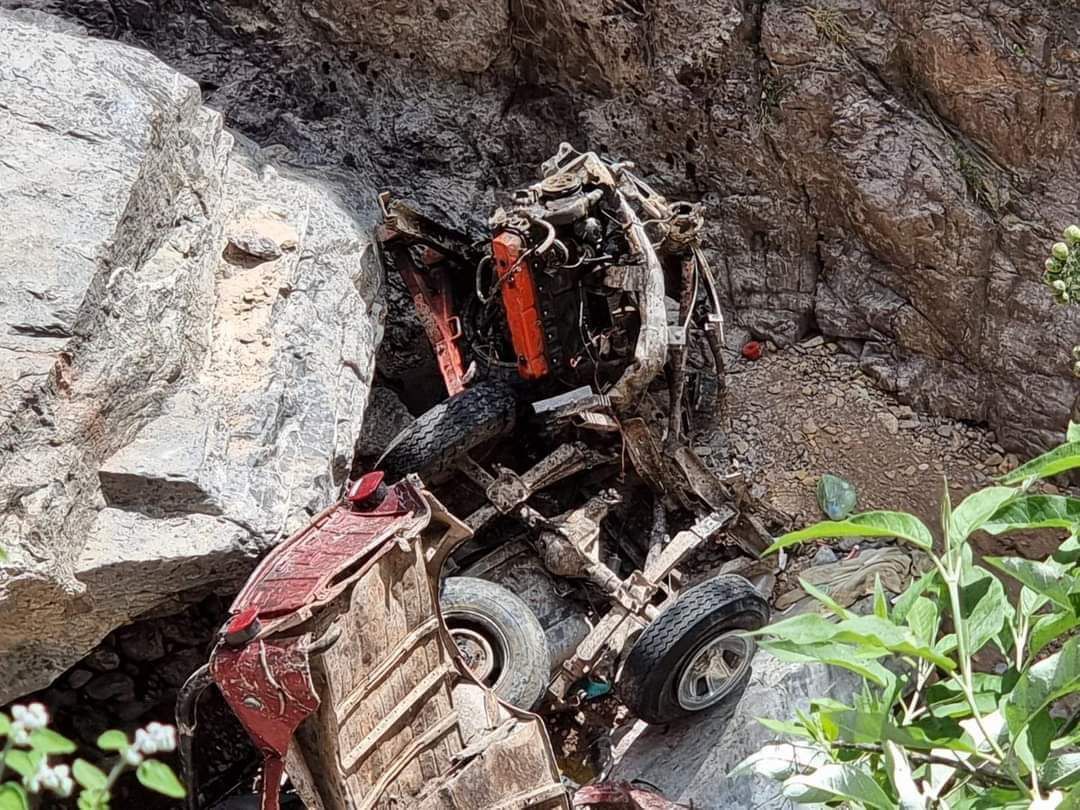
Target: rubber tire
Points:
(432, 445)
(649, 678)
(512, 627)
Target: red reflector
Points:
(242, 627)
(366, 486)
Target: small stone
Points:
(908, 424)
(809, 427)
(924, 467)
(944, 431)
(776, 388)
(889, 422)
(808, 391)
(78, 678)
(111, 686)
(905, 412)
(824, 556)
(910, 470)
(813, 342)
(262, 238)
(848, 543)
(1012, 461)
(994, 460)
(890, 474)
(102, 660)
(741, 447)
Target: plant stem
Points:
(4, 755)
(114, 774)
(952, 583)
(985, 776)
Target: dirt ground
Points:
(801, 412)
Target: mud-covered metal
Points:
(350, 682)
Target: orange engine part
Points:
(521, 302)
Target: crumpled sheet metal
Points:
(848, 581)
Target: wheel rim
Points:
(481, 643)
(712, 671)
(476, 651)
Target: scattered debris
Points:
(752, 350)
(836, 496)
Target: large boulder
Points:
(187, 338)
(890, 172)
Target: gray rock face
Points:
(689, 761)
(889, 171)
(169, 407)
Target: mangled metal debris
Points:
(587, 328)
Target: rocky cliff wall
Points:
(890, 172)
(187, 338)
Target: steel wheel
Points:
(713, 670)
(474, 638)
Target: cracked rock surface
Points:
(889, 172)
(187, 339)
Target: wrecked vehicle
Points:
(588, 327)
(378, 657)
(336, 663)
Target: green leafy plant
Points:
(30, 752)
(927, 730)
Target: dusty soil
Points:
(798, 413)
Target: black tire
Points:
(432, 445)
(649, 680)
(522, 664)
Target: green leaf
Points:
(113, 740)
(778, 761)
(907, 792)
(1044, 578)
(1062, 458)
(784, 727)
(845, 656)
(13, 797)
(975, 510)
(48, 741)
(924, 618)
(868, 524)
(1049, 627)
(836, 496)
(865, 632)
(89, 776)
(94, 799)
(1035, 512)
(1055, 676)
(881, 602)
(1032, 745)
(834, 782)
(24, 763)
(1061, 771)
(985, 607)
(916, 589)
(159, 777)
(1073, 432)
(824, 598)
(5, 725)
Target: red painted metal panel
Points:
(521, 304)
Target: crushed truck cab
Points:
(337, 663)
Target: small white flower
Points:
(133, 757)
(19, 735)
(30, 717)
(156, 738)
(56, 779)
(144, 743)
